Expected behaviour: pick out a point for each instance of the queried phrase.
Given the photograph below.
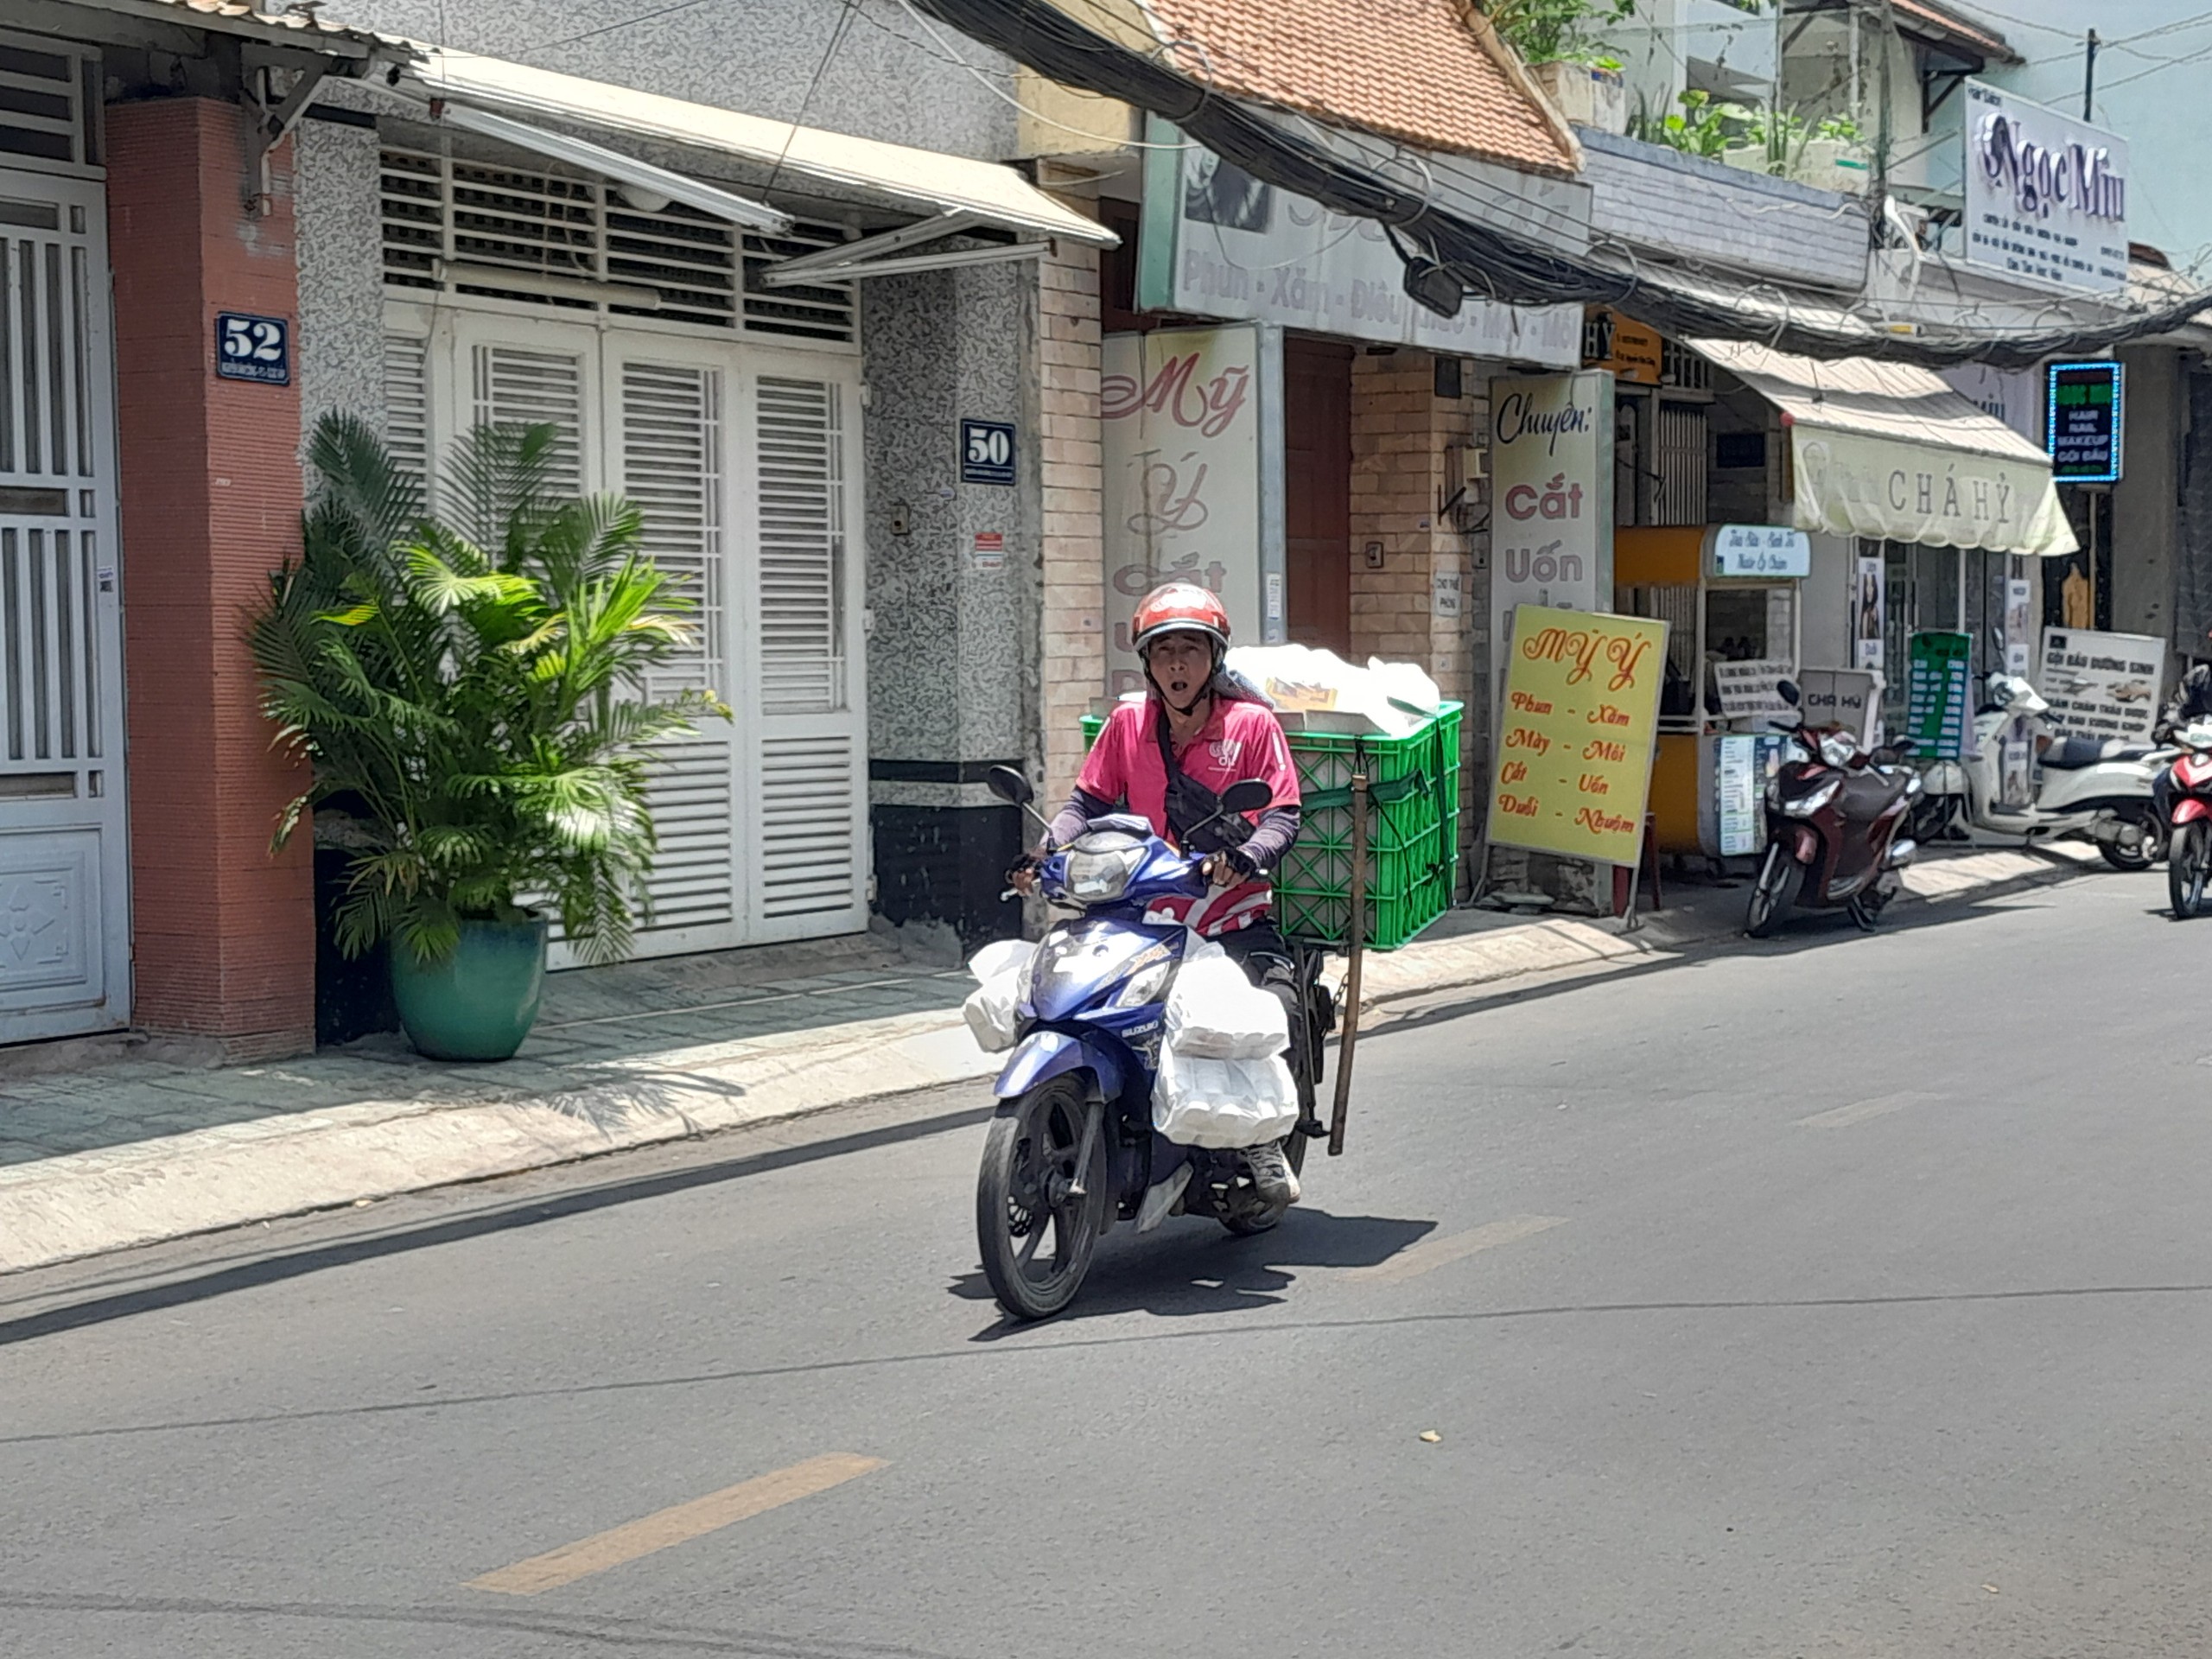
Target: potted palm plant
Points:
(469, 683)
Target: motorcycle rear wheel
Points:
(1022, 1192)
(2188, 866)
(1773, 893)
(2149, 849)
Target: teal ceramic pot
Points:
(480, 1002)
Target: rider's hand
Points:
(1022, 877)
(1226, 870)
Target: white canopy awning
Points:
(953, 195)
(1890, 451)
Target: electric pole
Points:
(2089, 76)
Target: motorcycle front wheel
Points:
(2188, 866)
(1025, 1193)
(1776, 890)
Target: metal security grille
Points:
(1678, 488)
(809, 833)
(571, 243)
(64, 865)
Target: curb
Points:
(82, 1204)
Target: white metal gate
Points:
(64, 934)
(744, 461)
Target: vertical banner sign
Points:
(1551, 457)
(2082, 429)
(1936, 693)
(1868, 614)
(1182, 451)
(1575, 736)
(1744, 763)
(2101, 684)
(2019, 636)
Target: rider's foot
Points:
(1272, 1175)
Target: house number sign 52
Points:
(253, 348)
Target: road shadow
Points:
(1191, 1267)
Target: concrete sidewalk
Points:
(142, 1147)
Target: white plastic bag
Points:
(1221, 1103)
(1214, 1013)
(990, 1010)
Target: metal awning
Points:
(958, 197)
(1890, 450)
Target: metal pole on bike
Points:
(1355, 943)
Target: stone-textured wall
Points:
(339, 348)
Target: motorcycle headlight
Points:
(1148, 980)
(1100, 875)
(1805, 805)
(1839, 748)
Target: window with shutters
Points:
(49, 105)
(516, 385)
(571, 243)
(407, 401)
(800, 468)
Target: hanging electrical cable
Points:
(1448, 254)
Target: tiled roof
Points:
(1412, 70)
(273, 19)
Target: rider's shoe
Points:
(1272, 1175)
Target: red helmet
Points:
(1180, 608)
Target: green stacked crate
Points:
(1413, 830)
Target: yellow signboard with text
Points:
(1575, 736)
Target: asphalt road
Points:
(1846, 1297)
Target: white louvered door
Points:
(65, 931)
(745, 464)
(801, 590)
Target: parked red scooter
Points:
(2187, 788)
(1833, 823)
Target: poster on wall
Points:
(1183, 476)
(1551, 458)
(2046, 196)
(1752, 690)
(1219, 243)
(2019, 630)
(2101, 684)
(1576, 729)
(1867, 614)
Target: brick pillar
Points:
(223, 933)
(1400, 432)
(1069, 470)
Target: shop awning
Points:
(955, 195)
(1889, 451)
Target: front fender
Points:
(1044, 1055)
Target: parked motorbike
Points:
(2093, 787)
(2188, 806)
(1833, 823)
(1072, 1150)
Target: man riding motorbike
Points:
(2191, 701)
(1168, 759)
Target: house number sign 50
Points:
(253, 348)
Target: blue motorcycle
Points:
(1072, 1148)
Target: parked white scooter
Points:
(2093, 787)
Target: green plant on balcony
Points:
(1704, 126)
(1558, 31)
(470, 684)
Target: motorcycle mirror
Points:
(1010, 785)
(1248, 795)
(1787, 691)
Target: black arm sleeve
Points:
(1067, 824)
(1271, 837)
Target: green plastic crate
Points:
(1413, 831)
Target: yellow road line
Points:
(1442, 1252)
(677, 1525)
(1859, 1110)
